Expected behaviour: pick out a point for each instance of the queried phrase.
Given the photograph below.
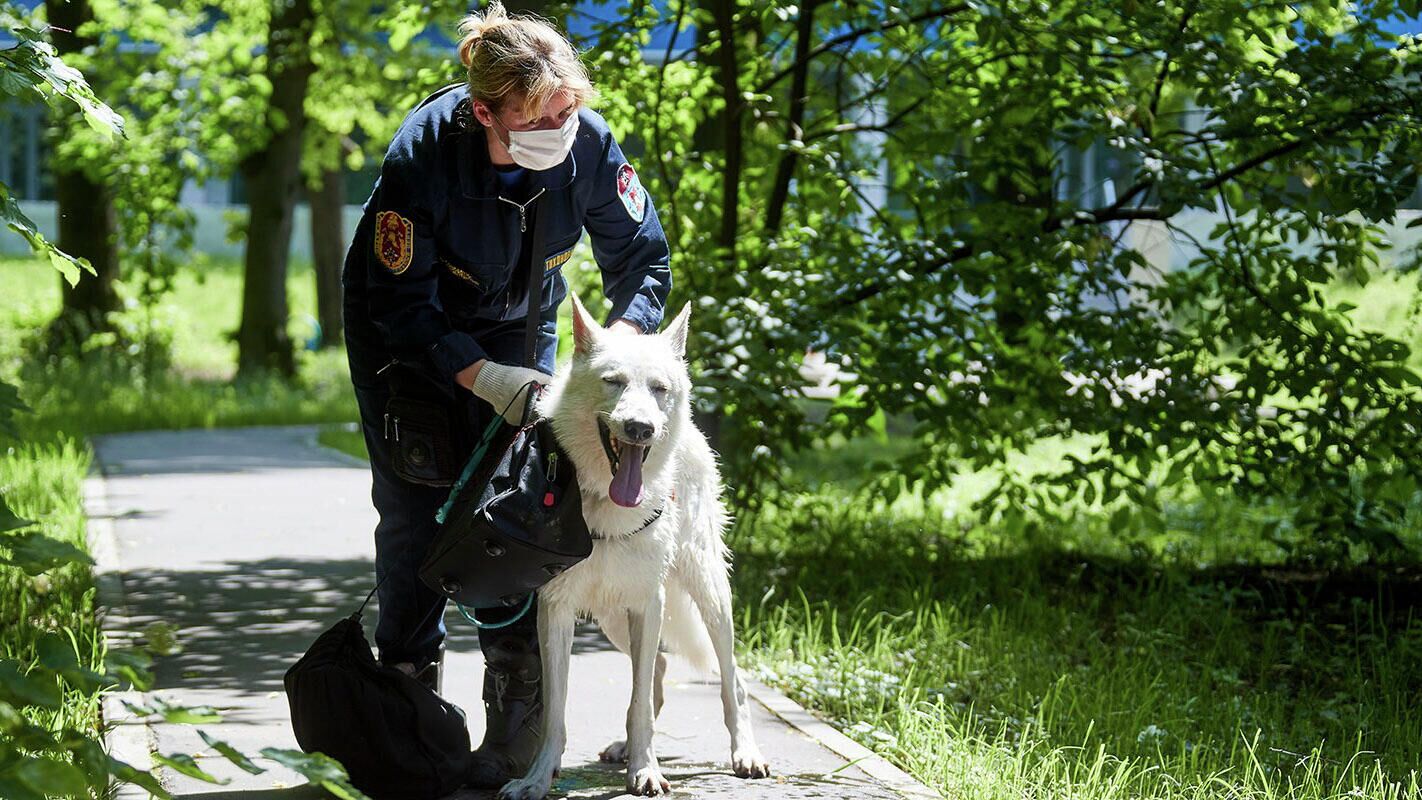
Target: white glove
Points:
(504, 387)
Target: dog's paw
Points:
(615, 753)
(647, 781)
(525, 789)
(749, 763)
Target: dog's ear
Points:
(585, 329)
(677, 330)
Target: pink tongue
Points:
(626, 487)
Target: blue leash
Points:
(469, 467)
(493, 626)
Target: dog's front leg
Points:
(712, 595)
(555, 644)
(644, 775)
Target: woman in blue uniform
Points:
(437, 276)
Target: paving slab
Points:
(251, 542)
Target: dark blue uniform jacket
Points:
(436, 255)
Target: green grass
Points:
(112, 390)
(43, 481)
(346, 438)
(989, 667)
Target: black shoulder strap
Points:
(535, 285)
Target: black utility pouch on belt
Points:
(426, 426)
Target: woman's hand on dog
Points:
(504, 386)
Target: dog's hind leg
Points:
(644, 775)
(706, 581)
(555, 643)
(616, 629)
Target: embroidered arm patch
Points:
(394, 241)
(629, 190)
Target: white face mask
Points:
(545, 149)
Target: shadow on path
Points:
(242, 624)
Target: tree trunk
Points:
(273, 177)
(328, 241)
(728, 75)
(88, 221)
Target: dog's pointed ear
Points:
(677, 330)
(585, 329)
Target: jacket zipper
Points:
(522, 228)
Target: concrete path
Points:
(251, 542)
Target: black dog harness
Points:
(645, 525)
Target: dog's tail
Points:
(683, 632)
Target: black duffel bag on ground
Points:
(397, 739)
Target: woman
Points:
(436, 276)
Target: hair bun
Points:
(475, 26)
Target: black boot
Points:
(513, 707)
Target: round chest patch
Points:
(629, 190)
(394, 241)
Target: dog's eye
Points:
(659, 390)
(614, 380)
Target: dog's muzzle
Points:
(626, 462)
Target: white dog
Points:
(658, 571)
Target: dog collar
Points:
(643, 527)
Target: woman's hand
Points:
(504, 387)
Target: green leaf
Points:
(12, 789)
(10, 405)
(10, 719)
(317, 768)
(127, 773)
(58, 653)
(231, 754)
(131, 666)
(52, 778)
(187, 765)
(162, 638)
(35, 553)
(68, 265)
(9, 521)
(178, 714)
(37, 688)
(89, 757)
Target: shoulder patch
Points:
(394, 241)
(629, 190)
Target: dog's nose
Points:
(638, 432)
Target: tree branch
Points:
(1165, 64)
(849, 36)
(723, 15)
(785, 170)
(883, 127)
(674, 220)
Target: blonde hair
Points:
(522, 54)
